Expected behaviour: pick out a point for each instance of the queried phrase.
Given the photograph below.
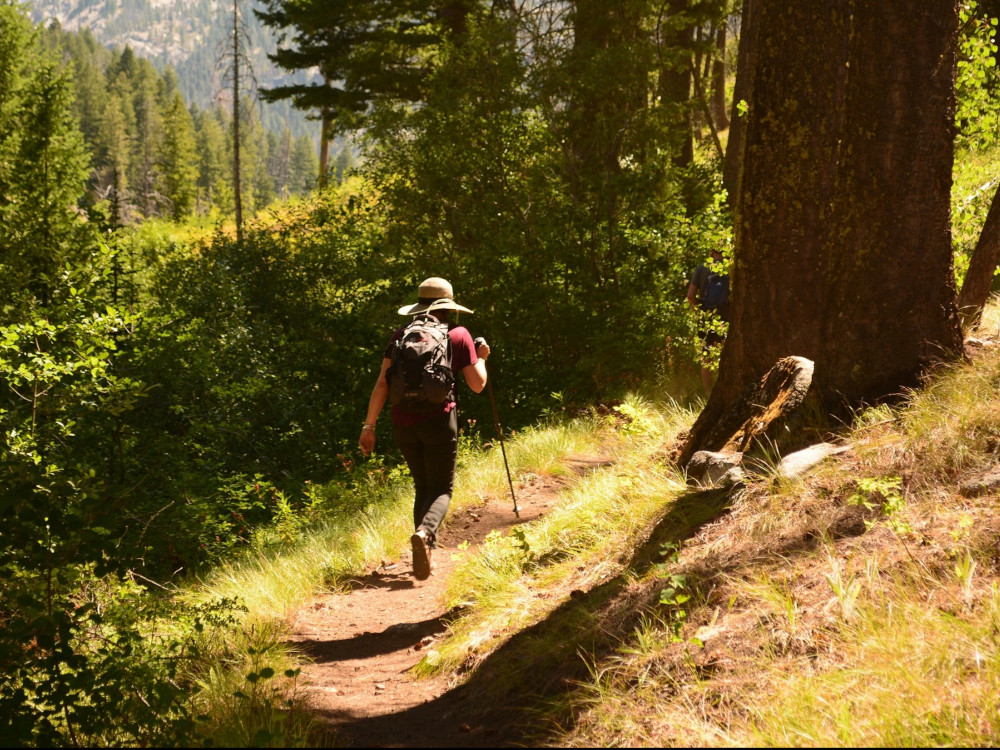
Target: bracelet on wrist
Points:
(367, 426)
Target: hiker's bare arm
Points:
(692, 295)
(475, 375)
(375, 403)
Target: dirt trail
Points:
(363, 643)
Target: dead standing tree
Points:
(237, 71)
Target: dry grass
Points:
(857, 606)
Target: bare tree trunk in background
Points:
(324, 150)
(237, 181)
(719, 78)
(843, 243)
(675, 80)
(982, 265)
(737, 125)
(454, 14)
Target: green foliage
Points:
(61, 400)
(147, 148)
(883, 494)
(178, 158)
(378, 51)
(42, 167)
(675, 594)
(578, 275)
(96, 668)
(978, 84)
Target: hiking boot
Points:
(421, 556)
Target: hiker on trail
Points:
(709, 291)
(419, 372)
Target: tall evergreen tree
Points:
(304, 165)
(178, 158)
(112, 159)
(43, 163)
(210, 140)
(365, 51)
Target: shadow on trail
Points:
(367, 645)
(391, 581)
(493, 707)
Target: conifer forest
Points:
(201, 265)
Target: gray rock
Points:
(981, 485)
(798, 463)
(715, 469)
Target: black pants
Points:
(430, 449)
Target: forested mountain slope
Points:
(186, 35)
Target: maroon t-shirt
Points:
(463, 354)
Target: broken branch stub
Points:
(762, 414)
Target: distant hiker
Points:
(709, 291)
(418, 375)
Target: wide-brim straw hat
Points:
(433, 294)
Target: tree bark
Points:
(891, 308)
(237, 172)
(842, 234)
(324, 149)
(982, 265)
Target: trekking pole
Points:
(496, 424)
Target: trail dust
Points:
(362, 643)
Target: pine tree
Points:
(365, 51)
(210, 142)
(343, 164)
(43, 163)
(304, 166)
(178, 158)
(112, 159)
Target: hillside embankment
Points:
(855, 605)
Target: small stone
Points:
(715, 469)
(982, 484)
(798, 463)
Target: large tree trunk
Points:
(982, 265)
(843, 247)
(891, 308)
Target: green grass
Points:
(584, 539)
(264, 709)
(271, 583)
(913, 676)
(768, 627)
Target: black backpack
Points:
(420, 376)
(715, 294)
